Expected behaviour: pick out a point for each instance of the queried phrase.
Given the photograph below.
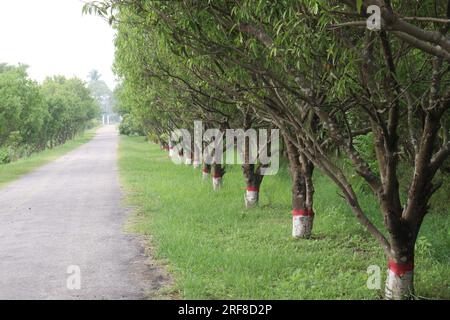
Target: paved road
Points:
(69, 213)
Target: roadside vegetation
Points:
(217, 249)
(36, 117)
(14, 170)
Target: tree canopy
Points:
(34, 117)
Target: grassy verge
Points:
(218, 250)
(12, 171)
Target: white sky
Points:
(54, 38)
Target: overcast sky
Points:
(54, 38)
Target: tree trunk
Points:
(302, 223)
(400, 280)
(171, 150)
(188, 159)
(206, 171)
(253, 181)
(196, 163)
(307, 171)
(302, 215)
(188, 152)
(251, 197)
(251, 171)
(181, 155)
(164, 145)
(218, 173)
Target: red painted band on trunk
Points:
(303, 213)
(217, 177)
(205, 171)
(400, 268)
(254, 189)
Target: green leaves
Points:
(359, 4)
(21, 107)
(31, 116)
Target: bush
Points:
(5, 156)
(129, 128)
(9, 153)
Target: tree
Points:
(94, 75)
(101, 92)
(70, 106)
(33, 117)
(22, 110)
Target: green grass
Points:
(215, 249)
(12, 171)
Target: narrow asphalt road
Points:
(62, 231)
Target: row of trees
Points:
(378, 99)
(34, 117)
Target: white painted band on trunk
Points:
(171, 153)
(205, 175)
(399, 287)
(217, 183)
(302, 226)
(252, 194)
(196, 164)
(251, 198)
(188, 161)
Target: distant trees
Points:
(101, 93)
(94, 75)
(34, 117)
(70, 107)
